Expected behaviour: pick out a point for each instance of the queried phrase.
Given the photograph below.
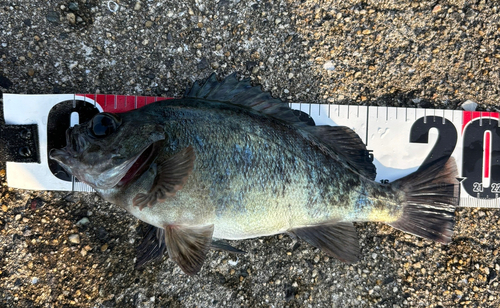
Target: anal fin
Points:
(339, 240)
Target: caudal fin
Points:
(431, 198)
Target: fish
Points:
(228, 161)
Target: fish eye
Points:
(104, 124)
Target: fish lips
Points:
(62, 157)
(120, 174)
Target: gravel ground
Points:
(386, 52)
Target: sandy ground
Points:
(429, 54)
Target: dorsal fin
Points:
(242, 93)
(340, 139)
(344, 140)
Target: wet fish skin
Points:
(240, 174)
(228, 161)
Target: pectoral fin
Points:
(338, 240)
(188, 246)
(171, 176)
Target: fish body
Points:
(228, 161)
(264, 180)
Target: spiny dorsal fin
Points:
(242, 93)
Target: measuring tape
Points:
(401, 139)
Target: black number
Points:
(57, 123)
(473, 155)
(446, 142)
(384, 181)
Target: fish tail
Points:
(430, 199)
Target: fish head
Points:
(110, 149)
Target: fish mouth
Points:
(141, 163)
(56, 154)
(73, 146)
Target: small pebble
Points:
(73, 6)
(82, 222)
(52, 16)
(74, 238)
(469, 105)
(71, 18)
(104, 247)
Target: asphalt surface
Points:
(424, 54)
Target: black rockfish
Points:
(228, 161)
